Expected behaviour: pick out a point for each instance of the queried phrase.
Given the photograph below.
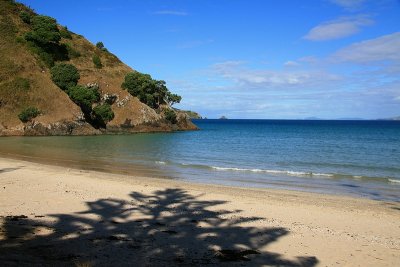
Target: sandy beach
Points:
(52, 215)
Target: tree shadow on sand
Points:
(168, 228)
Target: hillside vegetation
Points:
(55, 82)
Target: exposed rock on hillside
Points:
(25, 81)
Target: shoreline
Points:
(159, 173)
(185, 222)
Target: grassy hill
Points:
(26, 82)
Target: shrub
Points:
(44, 40)
(20, 39)
(72, 53)
(97, 61)
(65, 33)
(84, 97)
(28, 114)
(44, 30)
(65, 75)
(26, 17)
(170, 116)
(100, 45)
(21, 84)
(103, 112)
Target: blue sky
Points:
(252, 58)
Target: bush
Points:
(44, 40)
(28, 114)
(84, 97)
(104, 113)
(149, 91)
(44, 30)
(72, 53)
(65, 75)
(65, 33)
(21, 84)
(170, 116)
(97, 62)
(100, 45)
(26, 17)
(20, 40)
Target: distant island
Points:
(391, 119)
(223, 118)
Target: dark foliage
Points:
(72, 53)
(28, 114)
(100, 45)
(103, 114)
(97, 61)
(44, 40)
(83, 97)
(149, 91)
(65, 75)
(65, 33)
(170, 116)
(44, 30)
(25, 16)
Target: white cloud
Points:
(291, 63)
(384, 48)
(348, 3)
(170, 12)
(238, 73)
(339, 28)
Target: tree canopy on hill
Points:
(44, 40)
(83, 97)
(149, 91)
(44, 30)
(65, 75)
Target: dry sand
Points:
(58, 216)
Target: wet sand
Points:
(60, 216)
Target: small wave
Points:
(161, 162)
(291, 173)
(323, 174)
(394, 181)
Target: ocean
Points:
(355, 158)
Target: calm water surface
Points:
(359, 158)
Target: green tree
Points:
(97, 61)
(83, 97)
(44, 31)
(103, 113)
(25, 16)
(28, 114)
(100, 45)
(65, 75)
(172, 98)
(149, 91)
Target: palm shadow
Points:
(169, 227)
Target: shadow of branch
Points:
(168, 227)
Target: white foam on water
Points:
(291, 173)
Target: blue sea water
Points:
(358, 158)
